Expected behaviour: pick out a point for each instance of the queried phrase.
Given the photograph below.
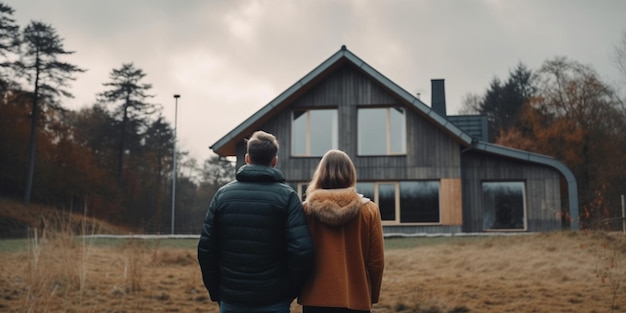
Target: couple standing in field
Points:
(260, 247)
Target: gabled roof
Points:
(226, 146)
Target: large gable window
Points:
(313, 132)
(381, 131)
(404, 202)
(504, 205)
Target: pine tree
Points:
(39, 63)
(503, 101)
(9, 44)
(129, 94)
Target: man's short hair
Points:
(262, 148)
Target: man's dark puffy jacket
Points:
(255, 246)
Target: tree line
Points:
(112, 160)
(564, 109)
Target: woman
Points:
(348, 239)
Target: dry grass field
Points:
(555, 272)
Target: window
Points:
(404, 202)
(381, 131)
(300, 189)
(504, 206)
(313, 132)
(384, 194)
(419, 202)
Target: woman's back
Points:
(349, 252)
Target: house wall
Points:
(543, 199)
(432, 154)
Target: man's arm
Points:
(208, 253)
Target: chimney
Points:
(438, 99)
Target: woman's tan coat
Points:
(349, 251)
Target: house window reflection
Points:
(504, 205)
(313, 132)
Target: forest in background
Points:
(113, 160)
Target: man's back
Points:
(255, 246)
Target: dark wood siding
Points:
(347, 86)
(431, 153)
(543, 199)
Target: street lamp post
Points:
(176, 96)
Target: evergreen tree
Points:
(39, 63)
(502, 102)
(159, 142)
(9, 44)
(491, 105)
(128, 93)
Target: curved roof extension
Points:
(572, 185)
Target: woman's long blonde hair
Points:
(334, 171)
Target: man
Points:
(255, 250)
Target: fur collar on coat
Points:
(334, 207)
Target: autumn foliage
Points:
(579, 120)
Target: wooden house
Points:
(428, 172)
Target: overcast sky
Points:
(227, 59)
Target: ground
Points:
(555, 272)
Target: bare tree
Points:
(470, 104)
(575, 118)
(619, 58)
